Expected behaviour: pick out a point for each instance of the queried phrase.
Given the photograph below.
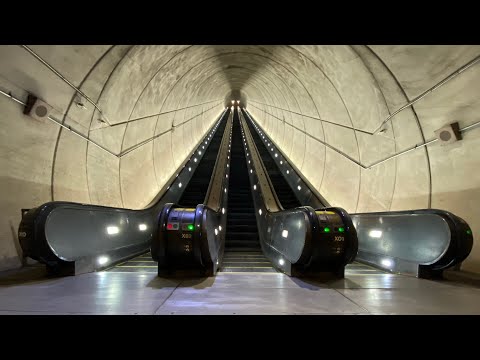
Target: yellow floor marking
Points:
(246, 262)
(249, 267)
(248, 273)
(136, 266)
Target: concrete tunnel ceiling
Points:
(321, 105)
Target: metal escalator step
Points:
(237, 263)
(242, 270)
(242, 243)
(242, 221)
(242, 228)
(238, 236)
(240, 257)
(240, 215)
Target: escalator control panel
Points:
(180, 231)
(332, 231)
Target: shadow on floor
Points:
(24, 275)
(160, 282)
(461, 278)
(316, 283)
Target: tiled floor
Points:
(364, 290)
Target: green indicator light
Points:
(327, 229)
(469, 232)
(190, 227)
(341, 229)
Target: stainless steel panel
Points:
(418, 238)
(76, 233)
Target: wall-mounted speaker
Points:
(36, 108)
(449, 134)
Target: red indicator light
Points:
(172, 226)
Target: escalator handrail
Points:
(310, 187)
(258, 164)
(274, 206)
(217, 181)
(172, 178)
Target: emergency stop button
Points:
(172, 226)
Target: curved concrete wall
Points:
(319, 104)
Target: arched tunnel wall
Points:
(320, 104)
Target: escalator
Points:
(242, 247)
(246, 217)
(142, 263)
(73, 238)
(284, 192)
(196, 190)
(190, 237)
(421, 242)
(195, 193)
(311, 240)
